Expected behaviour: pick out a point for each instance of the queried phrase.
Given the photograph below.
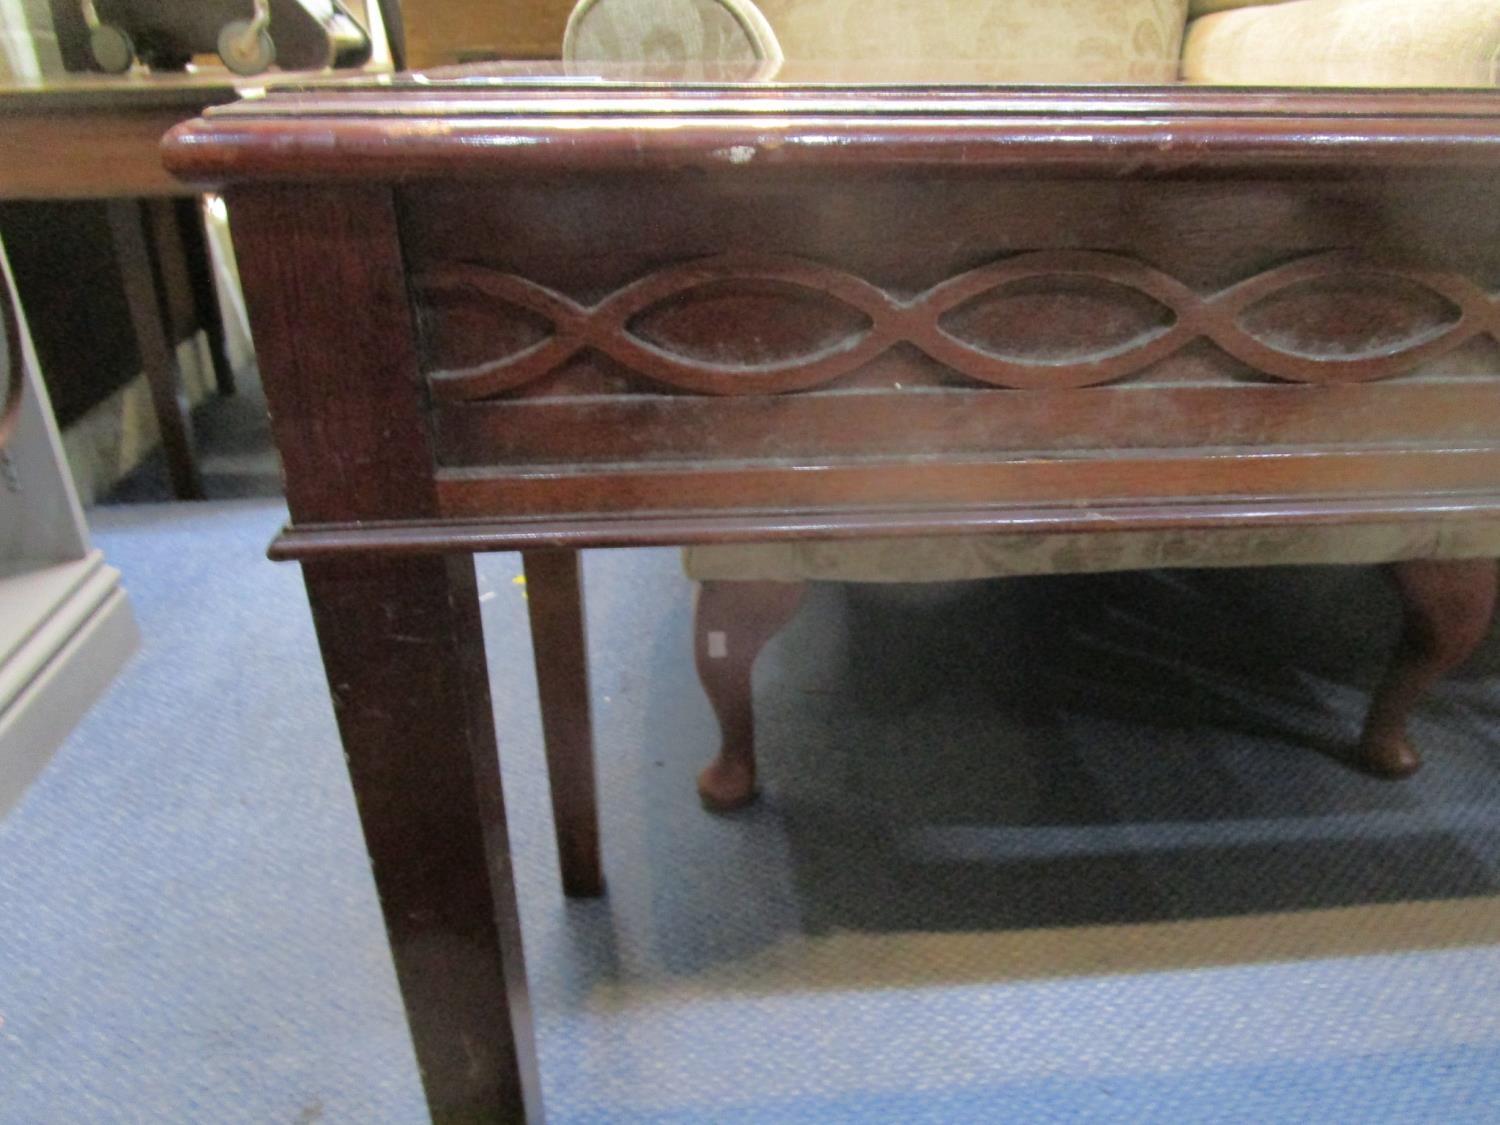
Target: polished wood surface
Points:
(551, 316)
(365, 130)
(451, 31)
(1054, 320)
(93, 136)
(401, 639)
(404, 654)
(367, 388)
(96, 138)
(651, 529)
(1138, 302)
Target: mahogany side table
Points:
(512, 313)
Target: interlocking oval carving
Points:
(1290, 322)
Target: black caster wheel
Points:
(112, 49)
(246, 50)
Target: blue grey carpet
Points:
(1075, 849)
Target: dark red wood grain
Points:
(403, 650)
(475, 130)
(401, 639)
(326, 293)
(667, 429)
(665, 529)
(1090, 482)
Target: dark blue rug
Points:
(1073, 849)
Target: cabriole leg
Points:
(732, 621)
(1448, 608)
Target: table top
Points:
(135, 90)
(193, 89)
(533, 117)
(102, 133)
(694, 312)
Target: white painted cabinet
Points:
(65, 626)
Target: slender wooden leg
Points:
(1448, 609)
(554, 599)
(732, 621)
(404, 654)
(149, 316)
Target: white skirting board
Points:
(65, 627)
(53, 666)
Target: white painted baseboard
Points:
(55, 670)
(65, 627)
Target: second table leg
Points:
(554, 600)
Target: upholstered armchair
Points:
(1446, 578)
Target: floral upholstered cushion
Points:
(1348, 43)
(976, 40)
(988, 40)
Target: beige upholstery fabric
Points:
(685, 38)
(958, 557)
(972, 40)
(993, 40)
(1348, 43)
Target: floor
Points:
(236, 456)
(1065, 849)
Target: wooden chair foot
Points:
(1393, 760)
(728, 783)
(1448, 607)
(732, 621)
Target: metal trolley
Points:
(249, 35)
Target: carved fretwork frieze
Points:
(738, 324)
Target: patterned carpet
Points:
(1074, 849)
